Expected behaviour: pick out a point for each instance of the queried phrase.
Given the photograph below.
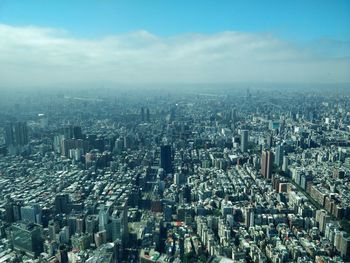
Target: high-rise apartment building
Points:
(266, 164)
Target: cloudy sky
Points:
(52, 42)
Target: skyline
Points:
(163, 42)
(175, 131)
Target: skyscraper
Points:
(16, 134)
(148, 115)
(68, 132)
(62, 203)
(165, 158)
(116, 226)
(77, 133)
(91, 223)
(266, 163)
(279, 155)
(31, 213)
(249, 216)
(244, 140)
(72, 132)
(142, 114)
(269, 141)
(17, 210)
(21, 133)
(9, 134)
(119, 224)
(27, 238)
(285, 164)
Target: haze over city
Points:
(194, 131)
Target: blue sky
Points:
(167, 41)
(299, 20)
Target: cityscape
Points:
(194, 175)
(187, 131)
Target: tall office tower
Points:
(282, 127)
(165, 158)
(62, 203)
(266, 164)
(63, 235)
(27, 238)
(68, 132)
(53, 229)
(103, 218)
(16, 134)
(72, 132)
(148, 115)
(77, 133)
(31, 213)
(244, 140)
(279, 155)
(9, 218)
(142, 114)
(9, 134)
(66, 145)
(116, 226)
(123, 208)
(28, 214)
(72, 223)
(119, 225)
(91, 223)
(17, 210)
(21, 133)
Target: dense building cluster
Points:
(195, 175)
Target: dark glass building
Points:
(27, 238)
(165, 158)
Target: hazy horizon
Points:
(124, 43)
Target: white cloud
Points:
(41, 56)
